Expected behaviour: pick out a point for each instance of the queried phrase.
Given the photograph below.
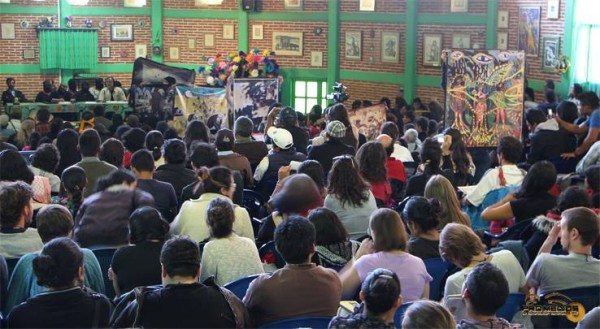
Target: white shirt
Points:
(118, 95)
(402, 153)
(490, 181)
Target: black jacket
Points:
(177, 175)
(7, 97)
(325, 152)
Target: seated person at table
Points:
(11, 93)
(84, 95)
(45, 96)
(111, 93)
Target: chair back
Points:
(268, 251)
(589, 297)
(240, 286)
(512, 233)
(400, 314)
(304, 322)
(27, 155)
(438, 269)
(11, 263)
(104, 256)
(513, 304)
(252, 201)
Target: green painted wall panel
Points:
(333, 43)
(21, 69)
(157, 31)
(410, 49)
(109, 11)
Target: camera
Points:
(339, 94)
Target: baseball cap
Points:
(336, 129)
(281, 137)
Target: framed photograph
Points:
(174, 52)
(191, 43)
(228, 31)
(502, 39)
(553, 9)
(257, 32)
(432, 45)
(121, 32)
(288, 43)
(503, 19)
(8, 30)
(367, 5)
(105, 52)
(529, 30)
(390, 47)
(459, 6)
(209, 39)
(293, 4)
(551, 51)
(28, 53)
(461, 41)
(134, 3)
(353, 42)
(141, 51)
(316, 58)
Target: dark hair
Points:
(195, 131)
(9, 80)
(147, 224)
(89, 143)
(510, 148)
(215, 178)
(460, 155)
(573, 196)
(390, 129)
(14, 197)
(295, 239)
(346, 184)
(53, 221)
(13, 167)
(432, 127)
(117, 121)
(99, 83)
(224, 140)
(314, 170)
(154, 143)
(357, 104)
(56, 125)
(58, 264)
(540, 178)
(85, 86)
(567, 111)
(171, 133)
(134, 139)
(298, 195)
(116, 177)
(220, 217)
(388, 230)
(423, 124)
(43, 115)
(585, 221)
(175, 151)
(589, 98)
(120, 130)
(371, 158)
(382, 289)
(410, 115)
(577, 89)
(46, 158)
(34, 140)
(427, 314)
(142, 161)
(422, 212)
(132, 120)
(99, 110)
(316, 112)
(204, 155)
(549, 84)
(431, 155)
(592, 174)
(243, 127)
(550, 96)
(328, 226)
(66, 142)
(72, 84)
(487, 288)
(112, 151)
(535, 116)
(386, 101)
(181, 257)
(87, 115)
(74, 181)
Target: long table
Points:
(76, 108)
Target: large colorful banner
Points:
(252, 98)
(208, 105)
(484, 94)
(368, 120)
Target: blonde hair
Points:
(425, 314)
(22, 136)
(459, 244)
(439, 187)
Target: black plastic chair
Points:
(11, 263)
(252, 202)
(399, 316)
(104, 256)
(304, 322)
(512, 233)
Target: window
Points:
(309, 93)
(585, 66)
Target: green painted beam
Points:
(372, 17)
(428, 81)
(568, 46)
(20, 69)
(410, 49)
(243, 34)
(303, 73)
(450, 19)
(300, 16)
(108, 11)
(157, 29)
(114, 68)
(382, 77)
(333, 43)
(196, 13)
(491, 27)
(7, 9)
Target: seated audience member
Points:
(396, 173)
(21, 138)
(422, 217)
(427, 314)
(112, 152)
(456, 158)
(84, 95)
(549, 102)
(9, 95)
(301, 288)
(89, 146)
(282, 154)
(100, 118)
(387, 249)
(592, 181)
(484, 292)
(288, 120)
(73, 181)
(165, 200)
(103, 219)
(371, 159)
(154, 142)
(590, 106)
(174, 171)
(44, 163)
(181, 301)
(400, 152)
(339, 113)
(439, 187)
(578, 231)
(224, 142)
(530, 200)
(316, 121)
(133, 140)
(592, 158)
(431, 154)
(244, 143)
(42, 125)
(53, 221)
(506, 174)
(66, 142)
(138, 263)
(60, 268)
(195, 131)
(463, 248)
(333, 247)
(299, 194)
(111, 93)
(332, 147)
(546, 139)
(6, 131)
(422, 125)
(16, 213)
(380, 297)
(411, 137)
(227, 256)
(191, 220)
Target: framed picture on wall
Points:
(121, 32)
(367, 5)
(228, 31)
(174, 52)
(288, 43)
(390, 47)
(209, 40)
(257, 32)
(553, 9)
(459, 6)
(353, 42)
(461, 41)
(28, 53)
(432, 47)
(503, 19)
(7, 30)
(105, 52)
(293, 4)
(550, 54)
(502, 39)
(529, 30)
(316, 58)
(134, 3)
(141, 51)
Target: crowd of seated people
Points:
(314, 213)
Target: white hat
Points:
(281, 137)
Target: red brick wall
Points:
(381, 6)
(29, 84)
(443, 6)
(277, 5)
(111, 3)
(191, 4)
(371, 47)
(372, 91)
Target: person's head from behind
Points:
(154, 142)
(549, 85)
(243, 127)
(431, 154)
(485, 290)
(534, 117)
(298, 195)
(427, 314)
(43, 115)
(589, 102)
(134, 139)
(16, 209)
(89, 143)
(572, 197)
(579, 229)
(59, 265)
(338, 112)
(295, 240)
(440, 188)
(13, 167)
(387, 230)
(112, 151)
(220, 217)
(146, 224)
(218, 179)
(567, 111)
(509, 149)
(314, 170)
(550, 96)
(592, 178)
(54, 221)
(117, 177)
(371, 158)
(224, 140)
(195, 130)
(381, 292)
(288, 117)
(576, 90)
(175, 151)
(540, 178)
(390, 129)
(46, 158)
(180, 259)
(328, 226)
(459, 244)
(345, 182)
(203, 155)
(74, 181)
(387, 142)
(422, 124)
(142, 163)
(421, 214)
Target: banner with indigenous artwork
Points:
(368, 120)
(484, 94)
(208, 105)
(252, 98)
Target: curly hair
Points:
(371, 162)
(346, 184)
